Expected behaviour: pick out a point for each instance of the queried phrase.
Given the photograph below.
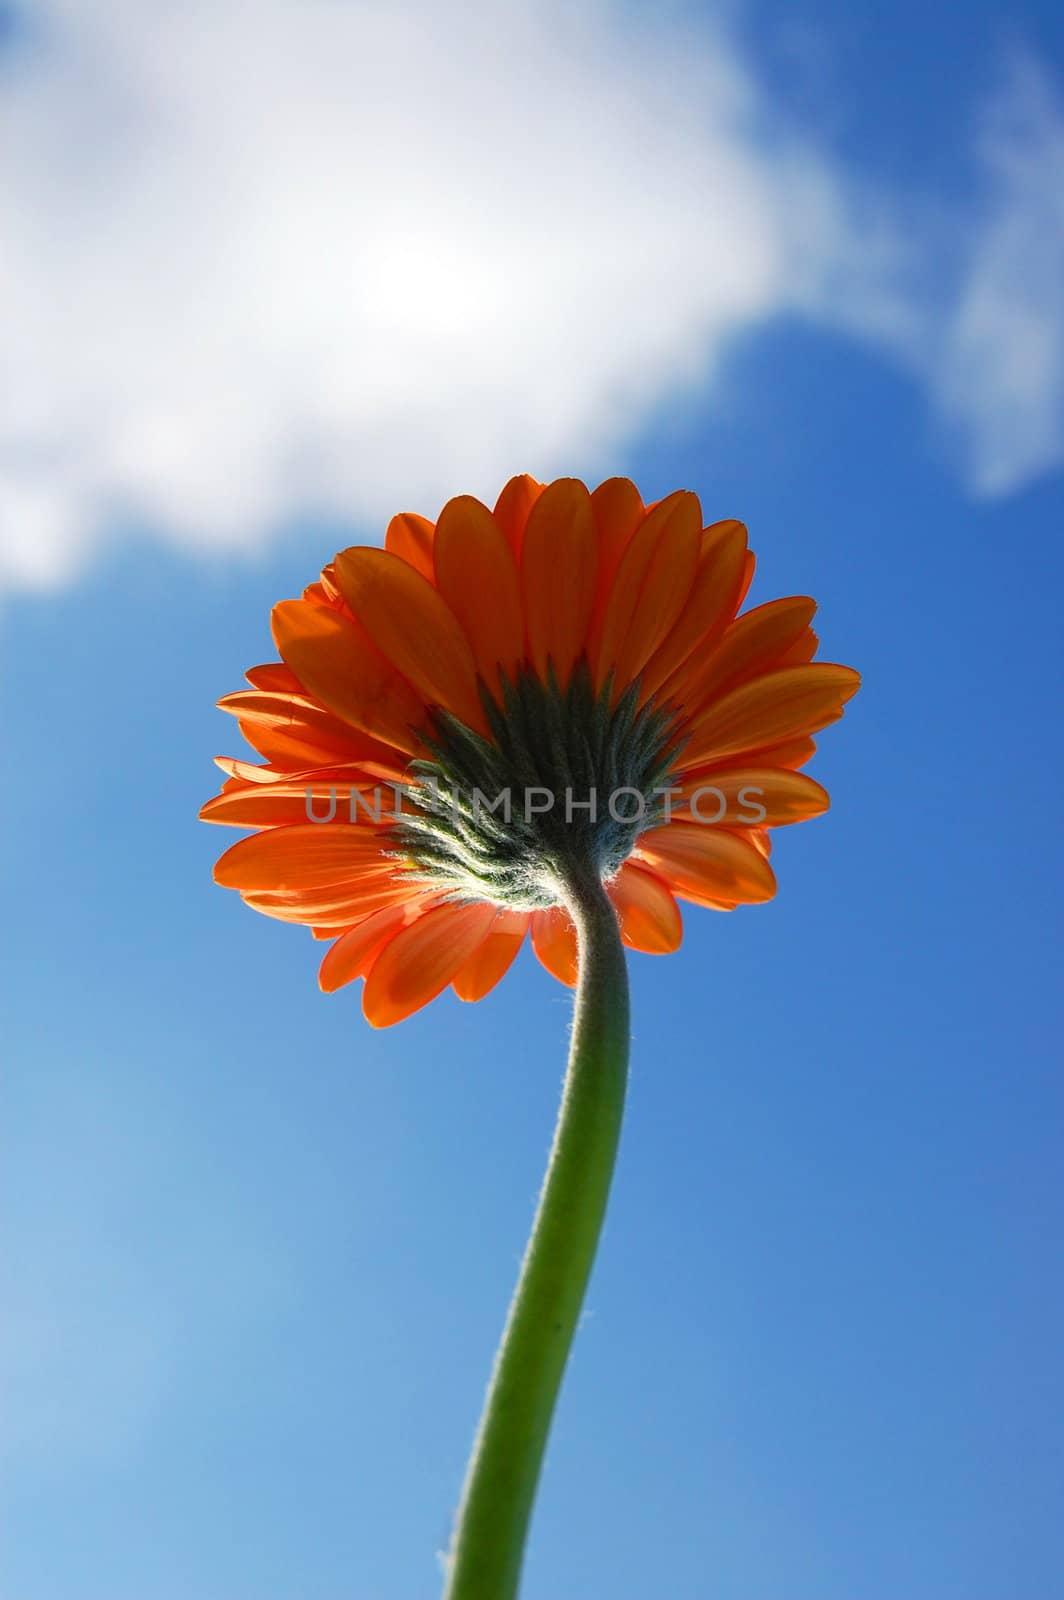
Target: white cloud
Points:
(285, 259)
(275, 260)
(999, 370)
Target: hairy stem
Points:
(485, 1559)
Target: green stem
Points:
(485, 1560)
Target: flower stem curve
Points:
(487, 1549)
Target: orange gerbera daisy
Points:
(460, 715)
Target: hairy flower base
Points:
(465, 833)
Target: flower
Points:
(562, 684)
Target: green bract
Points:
(568, 781)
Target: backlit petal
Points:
(749, 568)
(304, 856)
(291, 712)
(750, 797)
(493, 957)
(477, 575)
(414, 627)
(269, 805)
(753, 644)
(342, 669)
(275, 678)
(353, 953)
(649, 916)
(422, 959)
(410, 537)
(512, 510)
(707, 864)
(804, 648)
(711, 605)
(650, 590)
(554, 941)
(766, 710)
(558, 565)
(246, 771)
(792, 753)
(338, 908)
(293, 747)
(618, 509)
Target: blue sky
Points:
(257, 1254)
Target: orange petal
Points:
(650, 590)
(554, 941)
(259, 807)
(422, 959)
(414, 628)
(304, 856)
(359, 774)
(711, 605)
(410, 537)
(804, 648)
(327, 592)
(269, 805)
(749, 568)
(335, 910)
(618, 510)
(247, 771)
(766, 710)
(309, 744)
(558, 564)
(754, 643)
(294, 733)
(347, 775)
(334, 659)
(707, 864)
(477, 575)
(291, 712)
(792, 753)
(512, 510)
(750, 797)
(493, 958)
(296, 747)
(372, 880)
(649, 916)
(275, 678)
(352, 954)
